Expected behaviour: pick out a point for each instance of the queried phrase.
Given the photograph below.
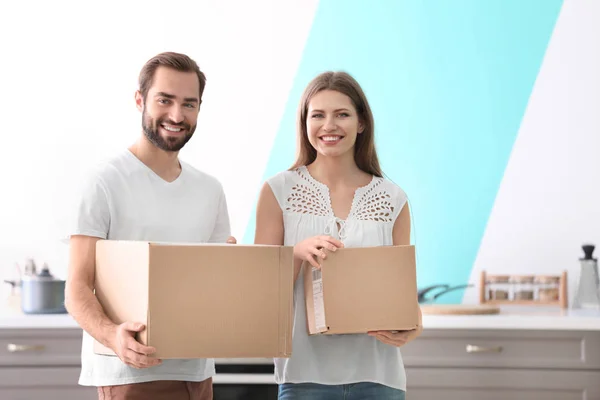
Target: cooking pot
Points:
(41, 293)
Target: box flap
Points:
(121, 284)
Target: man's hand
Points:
(129, 350)
(231, 240)
(396, 338)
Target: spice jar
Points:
(499, 288)
(522, 287)
(547, 288)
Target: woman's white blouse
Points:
(307, 211)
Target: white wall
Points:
(548, 204)
(68, 75)
(69, 70)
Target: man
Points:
(145, 193)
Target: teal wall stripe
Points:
(449, 82)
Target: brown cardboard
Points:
(357, 290)
(199, 300)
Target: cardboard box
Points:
(357, 290)
(199, 300)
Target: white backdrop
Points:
(68, 76)
(69, 70)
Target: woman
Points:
(325, 202)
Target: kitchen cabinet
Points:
(501, 364)
(41, 364)
(515, 355)
(501, 384)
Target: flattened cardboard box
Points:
(199, 300)
(357, 290)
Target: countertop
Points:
(511, 318)
(508, 319)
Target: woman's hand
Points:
(314, 247)
(396, 338)
(400, 338)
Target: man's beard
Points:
(171, 143)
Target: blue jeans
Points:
(355, 391)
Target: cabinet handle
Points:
(479, 349)
(17, 348)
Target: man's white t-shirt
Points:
(123, 199)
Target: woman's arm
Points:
(269, 223)
(270, 230)
(401, 230)
(401, 237)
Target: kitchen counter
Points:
(535, 353)
(511, 318)
(508, 319)
(14, 320)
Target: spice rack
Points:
(546, 290)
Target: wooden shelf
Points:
(484, 285)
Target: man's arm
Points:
(82, 304)
(80, 300)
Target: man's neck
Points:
(164, 163)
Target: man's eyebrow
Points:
(171, 96)
(167, 95)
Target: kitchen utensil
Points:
(13, 300)
(41, 293)
(422, 293)
(588, 291)
(30, 269)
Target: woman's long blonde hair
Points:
(365, 154)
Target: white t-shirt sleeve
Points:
(91, 214)
(222, 229)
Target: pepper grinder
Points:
(588, 291)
